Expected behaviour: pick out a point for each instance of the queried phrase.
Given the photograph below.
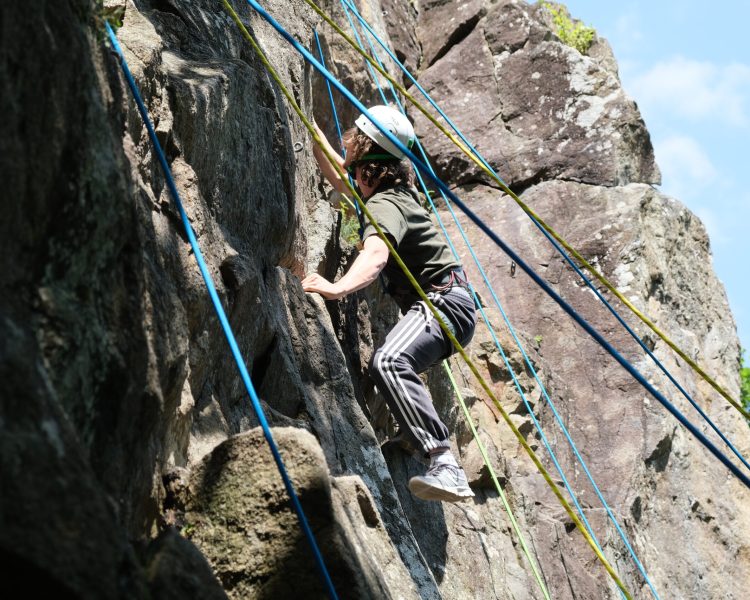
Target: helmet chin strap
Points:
(371, 157)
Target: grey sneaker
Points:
(442, 481)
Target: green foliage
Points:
(107, 14)
(538, 340)
(745, 382)
(349, 225)
(576, 35)
(424, 199)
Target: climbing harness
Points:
(245, 376)
(456, 277)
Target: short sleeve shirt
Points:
(408, 225)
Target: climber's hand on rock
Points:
(320, 285)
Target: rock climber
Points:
(386, 182)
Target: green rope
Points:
(495, 480)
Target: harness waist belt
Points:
(453, 277)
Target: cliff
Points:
(132, 465)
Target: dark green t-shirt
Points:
(398, 212)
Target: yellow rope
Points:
(467, 151)
(555, 489)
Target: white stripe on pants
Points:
(416, 343)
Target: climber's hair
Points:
(376, 172)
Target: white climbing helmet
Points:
(393, 121)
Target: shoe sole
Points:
(425, 491)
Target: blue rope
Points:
(523, 352)
(555, 244)
(507, 249)
(367, 64)
(330, 97)
(223, 318)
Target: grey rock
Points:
(60, 533)
(119, 389)
(241, 517)
(175, 568)
(645, 243)
(335, 416)
(349, 67)
(401, 24)
(534, 108)
(443, 24)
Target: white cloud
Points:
(696, 90)
(685, 166)
(689, 174)
(714, 225)
(628, 29)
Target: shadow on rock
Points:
(427, 518)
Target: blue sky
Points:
(687, 65)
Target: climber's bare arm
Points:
(363, 272)
(329, 172)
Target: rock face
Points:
(132, 465)
(537, 108)
(235, 489)
(653, 473)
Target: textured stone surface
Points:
(535, 108)
(443, 24)
(653, 473)
(118, 382)
(175, 568)
(401, 24)
(59, 532)
(240, 516)
(349, 67)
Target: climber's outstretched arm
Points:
(326, 168)
(370, 261)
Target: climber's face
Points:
(348, 141)
(354, 171)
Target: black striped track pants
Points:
(416, 343)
